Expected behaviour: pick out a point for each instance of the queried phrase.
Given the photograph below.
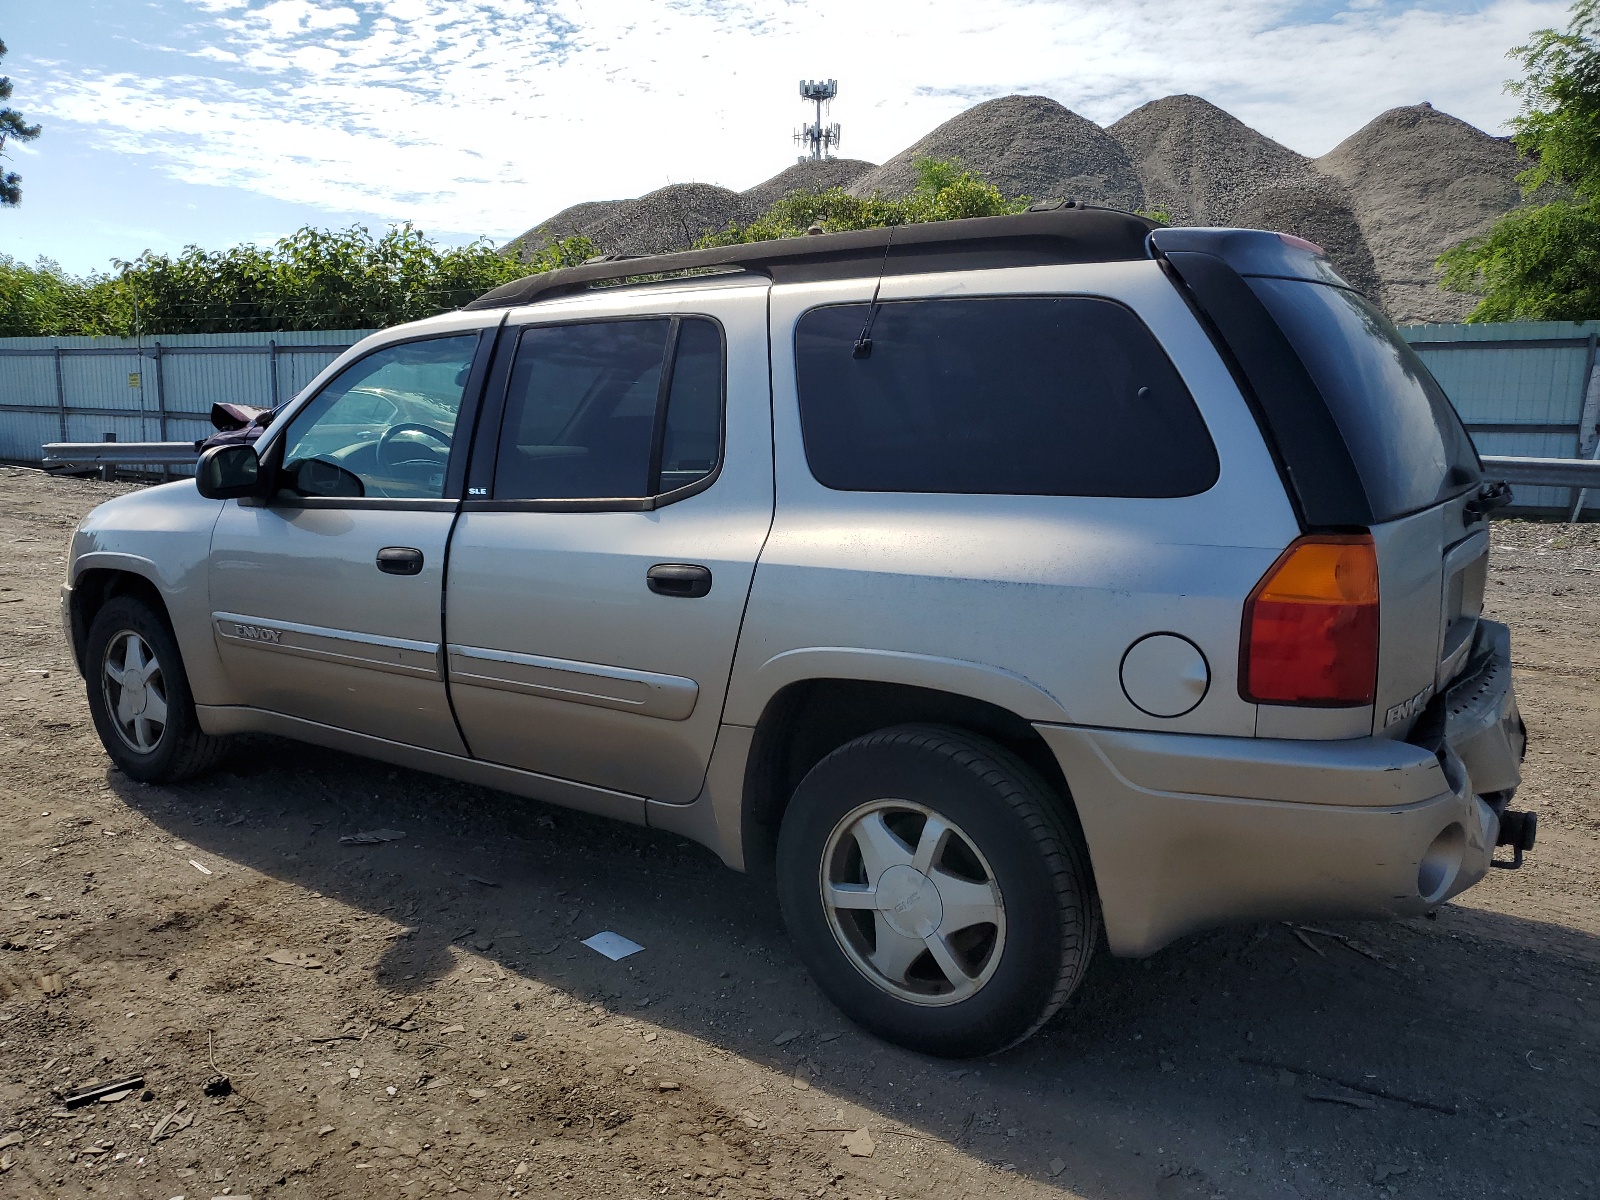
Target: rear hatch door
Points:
(1420, 473)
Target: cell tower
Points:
(818, 140)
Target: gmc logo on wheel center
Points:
(257, 633)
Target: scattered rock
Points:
(1388, 1172)
(859, 1144)
(9, 1140)
(1056, 1167)
(787, 1036)
(667, 1085)
(295, 958)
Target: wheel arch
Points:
(807, 719)
(99, 583)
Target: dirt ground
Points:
(437, 1027)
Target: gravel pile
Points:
(1421, 181)
(569, 222)
(1319, 211)
(1206, 167)
(1025, 146)
(675, 217)
(816, 176)
(1385, 203)
(1201, 164)
(670, 218)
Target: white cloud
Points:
(486, 115)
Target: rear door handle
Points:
(679, 579)
(400, 560)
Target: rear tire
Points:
(936, 890)
(139, 696)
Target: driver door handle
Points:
(678, 579)
(400, 560)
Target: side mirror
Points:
(228, 472)
(319, 477)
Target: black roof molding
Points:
(1252, 252)
(1072, 233)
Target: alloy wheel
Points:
(135, 692)
(912, 902)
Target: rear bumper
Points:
(1188, 832)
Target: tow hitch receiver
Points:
(1517, 830)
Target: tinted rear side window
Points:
(1030, 396)
(1405, 437)
(587, 416)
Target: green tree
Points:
(312, 279)
(43, 300)
(13, 128)
(946, 190)
(1541, 262)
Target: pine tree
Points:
(12, 128)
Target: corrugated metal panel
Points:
(295, 371)
(194, 382)
(21, 379)
(125, 386)
(1526, 372)
(22, 433)
(110, 381)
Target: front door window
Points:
(387, 422)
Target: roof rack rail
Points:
(1071, 233)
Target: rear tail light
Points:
(1311, 625)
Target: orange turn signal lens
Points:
(1310, 633)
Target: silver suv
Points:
(992, 584)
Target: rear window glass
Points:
(1405, 437)
(1030, 396)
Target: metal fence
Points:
(1526, 389)
(157, 389)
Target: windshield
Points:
(1407, 441)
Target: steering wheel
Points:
(394, 431)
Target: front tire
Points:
(936, 891)
(139, 696)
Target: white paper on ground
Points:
(612, 945)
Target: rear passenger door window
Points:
(1030, 395)
(624, 410)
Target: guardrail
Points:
(1580, 473)
(1550, 472)
(120, 454)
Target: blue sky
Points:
(219, 121)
